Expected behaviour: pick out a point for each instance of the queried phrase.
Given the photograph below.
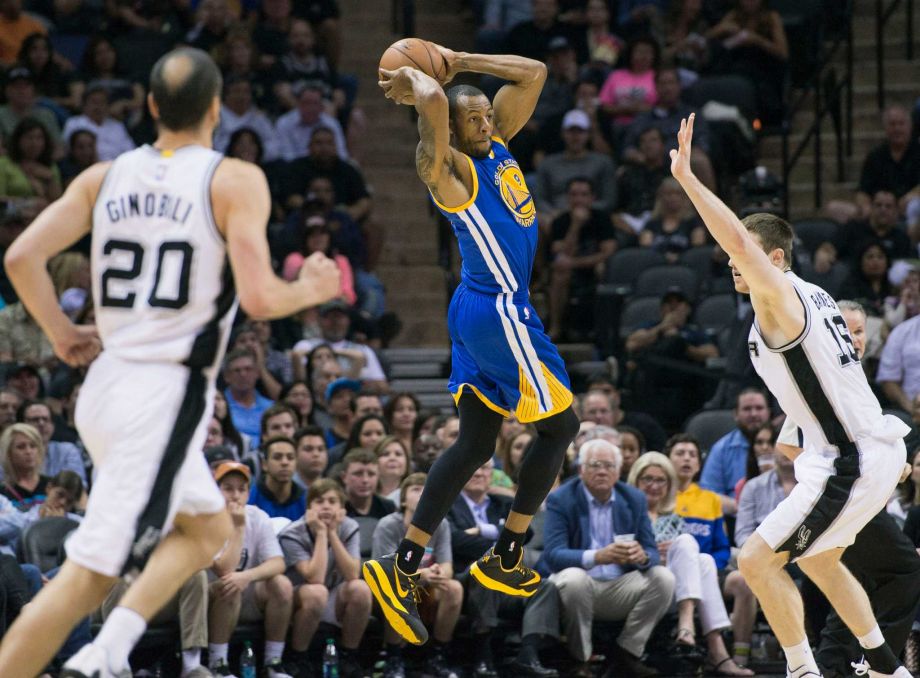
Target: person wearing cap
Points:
(276, 493)
(22, 102)
(582, 239)
(246, 404)
(340, 395)
(216, 455)
(247, 579)
(240, 111)
(25, 380)
(112, 138)
(576, 160)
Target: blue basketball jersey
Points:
(497, 227)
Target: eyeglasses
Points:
(38, 420)
(597, 465)
(652, 480)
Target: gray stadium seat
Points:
(715, 313)
(638, 312)
(42, 542)
(655, 281)
(732, 90)
(710, 425)
(625, 266)
(812, 232)
(699, 259)
(830, 282)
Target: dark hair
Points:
(23, 56)
(70, 482)
(753, 468)
(311, 364)
(747, 390)
(321, 487)
(635, 42)
(635, 433)
(600, 378)
(25, 126)
(238, 353)
(26, 404)
(390, 408)
(358, 456)
(237, 135)
(273, 411)
(286, 391)
(579, 179)
(88, 63)
(682, 438)
(457, 91)
(78, 132)
(646, 130)
(314, 431)
(266, 444)
(183, 98)
(774, 233)
(228, 428)
(668, 68)
(420, 419)
(355, 434)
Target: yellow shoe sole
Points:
(394, 619)
(494, 585)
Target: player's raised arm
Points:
(59, 226)
(767, 282)
(241, 208)
(515, 102)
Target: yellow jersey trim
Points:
(499, 140)
(485, 401)
(528, 408)
(472, 199)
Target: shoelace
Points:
(413, 587)
(860, 668)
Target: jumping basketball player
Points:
(853, 454)
(502, 360)
(164, 220)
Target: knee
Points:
(707, 564)
(454, 593)
(312, 597)
(357, 593)
(280, 589)
(571, 582)
(686, 544)
(563, 426)
(755, 559)
(661, 580)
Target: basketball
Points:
(416, 53)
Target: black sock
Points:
(508, 547)
(882, 659)
(529, 646)
(482, 643)
(409, 556)
(438, 649)
(394, 650)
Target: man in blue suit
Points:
(599, 545)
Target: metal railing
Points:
(830, 94)
(882, 16)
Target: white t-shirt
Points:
(372, 370)
(259, 540)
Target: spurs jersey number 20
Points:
(162, 287)
(817, 378)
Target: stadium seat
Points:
(699, 259)
(655, 281)
(639, 312)
(830, 282)
(625, 266)
(710, 425)
(732, 90)
(366, 525)
(813, 232)
(715, 313)
(42, 542)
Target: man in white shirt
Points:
(295, 127)
(112, 139)
(239, 111)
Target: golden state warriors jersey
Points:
(497, 227)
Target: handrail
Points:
(402, 17)
(882, 16)
(826, 89)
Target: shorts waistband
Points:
(520, 297)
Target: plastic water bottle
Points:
(247, 661)
(330, 660)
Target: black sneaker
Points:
(350, 667)
(394, 668)
(436, 666)
(397, 593)
(518, 581)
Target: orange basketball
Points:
(416, 53)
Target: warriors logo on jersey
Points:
(514, 192)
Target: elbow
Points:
(539, 72)
(255, 304)
(15, 258)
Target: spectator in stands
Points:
(761, 457)
(666, 115)
(631, 90)
(401, 411)
(600, 547)
(531, 38)
(557, 170)
(360, 473)
(81, 154)
(100, 68)
(22, 456)
(899, 370)
(37, 55)
(638, 184)
(278, 420)
(276, 493)
(59, 455)
(393, 463)
(245, 145)
(22, 341)
(510, 453)
(436, 578)
(29, 173)
(754, 46)
(582, 240)
(246, 337)
(868, 282)
(238, 57)
(270, 34)
(324, 18)
(476, 518)
(604, 410)
(367, 403)
(324, 159)
(318, 238)
(232, 437)
(301, 66)
(213, 24)
(240, 112)
(250, 584)
(604, 48)
(632, 446)
(24, 378)
(15, 27)
(312, 456)
(295, 128)
(112, 139)
(685, 28)
(245, 404)
(674, 226)
(10, 400)
(906, 304)
(365, 434)
(276, 360)
(340, 395)
(447, 428)
(882, 226)
(498, 18)
(22, 102)
(673, 336)
(322, 551)
(727, 460)
(695, 573)
(321, 377)
(426, 448)
(297, 394)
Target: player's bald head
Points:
(184, 83)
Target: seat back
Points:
(732, 90)
(366, 527)
(625, 266)
(639, 312)
(42, 542)
(715, 313)
(710, 425)
(655, 281)
(813, 232)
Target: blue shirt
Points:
(600, 517)
(293, 509)
(479, 511)
(248, 420)
(726, 463)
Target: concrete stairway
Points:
(416, 286)
(901, 87)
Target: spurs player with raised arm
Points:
(853, 454)
(165, 220)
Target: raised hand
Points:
(680, 158)
(451, 65)
(397, 85)
(322, 273)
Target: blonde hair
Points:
(671, 183)
(656, 459)
(6, 442)
(64, 269)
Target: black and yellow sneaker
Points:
(518, 581)
(397, 593)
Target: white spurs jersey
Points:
(818, 379)
(162, 285)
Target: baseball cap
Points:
(576, 118)
(334, 305)
(232, 467)
(340, 384)
(676, 293)
(20, 368)
(19, 73)
(218, 454)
